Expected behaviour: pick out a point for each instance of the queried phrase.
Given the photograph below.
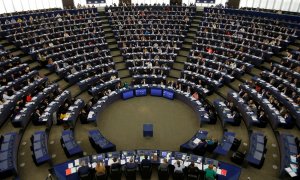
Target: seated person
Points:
(201, 148)
(116, 164)
(210, 174)
(164, 166)
(178, 167)
(35, 116)
(28, 98)
(100, 169)
(83, 170)
(146, 161)
(131, 164)
(193, 171)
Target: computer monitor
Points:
(127, 94)
(168, 94)
(156, 92)
(141, 92)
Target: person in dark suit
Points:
(35, 116)
(262, 119)
(201, 148)
(116, 164)
(146, 161)
(83, 170)
(192, 170)
(289, 120)
(131, 164)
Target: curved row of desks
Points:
(154, 90)
(68, 170)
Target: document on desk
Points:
(290, 172)
(294, 159)
(76, 162)
(196, 141)
(94, 164)
(73, 170)
(110, 161)
(199, 165)
(186, 163)
(70, 165)
(91, 113)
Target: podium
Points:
(148, 130)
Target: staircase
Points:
(120, 65)
(182, 56)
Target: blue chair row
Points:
(285, 71)
(49, 114)
(24, 116)
(94, 91)
(226, 144)
(79, 75)
(73, 112)
(288, 151)
(69, 144)
(257, 149)
(293, 108)
(90, 81)
(224, 112)
(291, 87)
(18, 83)
(249, 117)
(39, 147)
(38, 13)
(99, 142)
(8, 154)
(275, 119)
(9, 105)
(267, 17)
(13, 70)
(191, 144)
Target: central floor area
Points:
(173, 121)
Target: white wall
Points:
(204, 4)
(24, 5)
(108, 2)
(150, 1)
(285, 5)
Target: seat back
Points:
(192, 176)
(85, 176)
(178, 175)
(146, 172)
(130, 174)
(163, 174)
(100, 176)
(115, 174)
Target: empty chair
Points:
(236, 144)
(238, 157)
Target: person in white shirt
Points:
(178, 166)
(5, 96)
